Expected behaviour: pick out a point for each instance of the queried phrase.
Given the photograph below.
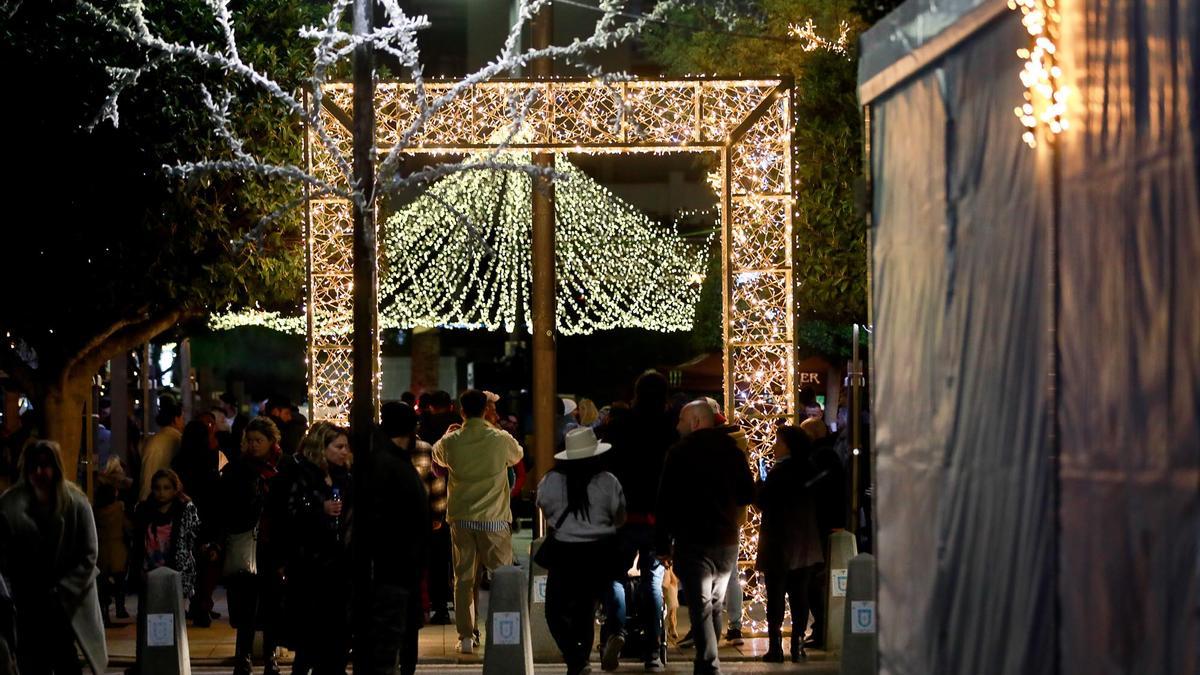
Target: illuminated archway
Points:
(747, 123)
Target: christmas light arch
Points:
(747, 123)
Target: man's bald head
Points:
(696, 415)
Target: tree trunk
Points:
(61, 391)
(426, 360)
(63, 404)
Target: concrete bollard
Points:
(842, 547)
(544, 647)
(162, 646)
(861, 629)
(508, 650)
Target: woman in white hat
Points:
(583, 505)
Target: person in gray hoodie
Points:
(584, 505)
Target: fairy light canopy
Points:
(459, 256)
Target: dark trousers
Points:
(795, 584)
(318, 619)
(387, 623)
(818, 582)
(111, 588)
(208, 573)
(45, 640)
(253, 604)
(573, 589)
(703, 573)
(439, 569)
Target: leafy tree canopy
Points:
(103, 249)
(752, 37)
(105, 234)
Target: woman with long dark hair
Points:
(584, 505)
(252, 568)
(164, 530)
(789, 548)
(314, 541)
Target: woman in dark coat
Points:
(314, 540)
(789, 548)
(254, 597)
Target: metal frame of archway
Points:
(748, 123)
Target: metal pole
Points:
(147, 408)
(855, 443)
(364, 408)
(187, 390)
(119, 415)
(545, 376)
(89, 438)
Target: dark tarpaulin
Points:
(990, 559)
(1130, 335)
(962, 339)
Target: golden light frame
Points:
(747, 123)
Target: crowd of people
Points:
(329, 557)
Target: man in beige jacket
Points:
(477, 456)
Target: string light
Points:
(811, 41)
(294, 325)
(1045, 103)
(616, 268)
(585, 117)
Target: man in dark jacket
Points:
(705, 483)
(399, 423)
(391, 542)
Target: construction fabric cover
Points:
(1036, 373)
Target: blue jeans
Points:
(703, 573)
(639, 539)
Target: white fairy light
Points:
(616, 268)
(1045, 105)
(807, 32)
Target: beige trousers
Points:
(474, 549)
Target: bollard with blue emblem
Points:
(545, 649)
(860, 645)
(162, 646)
(508, 650)
(842, 547)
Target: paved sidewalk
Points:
(826, 668)
(213, 647)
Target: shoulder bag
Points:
(241, 555)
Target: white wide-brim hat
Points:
(582, 444)
(569, 405)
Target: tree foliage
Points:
(716, 38)
(103, 248)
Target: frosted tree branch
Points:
(396, 38)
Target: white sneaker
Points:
(466, 646)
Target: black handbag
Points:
(550, 553)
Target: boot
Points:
(243, 665)
(121, 611)
(774, 650)
(270, 664)
(798, 653)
